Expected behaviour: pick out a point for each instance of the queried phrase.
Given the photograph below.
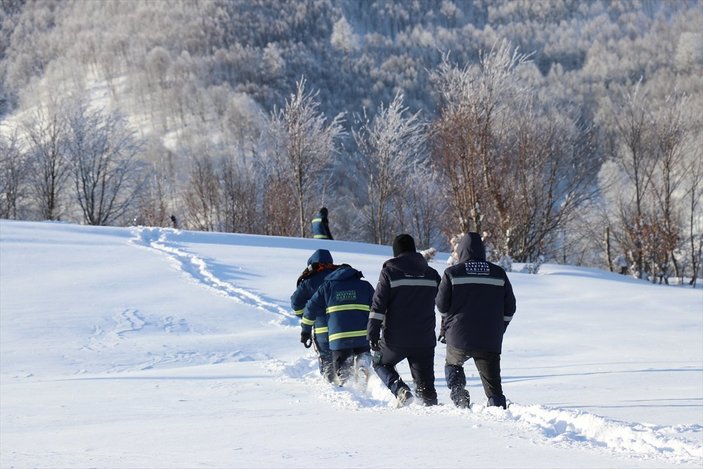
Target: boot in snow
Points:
(460, 397)
(404, 397)
(497, 401)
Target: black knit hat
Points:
(403, 243)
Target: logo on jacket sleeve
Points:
(477, 268)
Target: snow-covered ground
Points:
(148, 347)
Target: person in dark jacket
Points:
(321, 226)
(345, 299)
(476, 302)
(403, 309)
(320, 265)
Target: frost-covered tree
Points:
(304, 143)
(102, 150)
(466, 133)
(46, 134)
(202, 195)
(13, 175)
(517, 167)
(390, 146)
(633, 161)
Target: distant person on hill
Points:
(403, 309)
(476, 302)
(345, 299)
(319, 267)
(321, 226)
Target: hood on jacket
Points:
(321, 256)
(412, 263)
(471, 248)
(344, 272)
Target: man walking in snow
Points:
(403, 309)
(476, 302)
(345, 299)
(319, 267)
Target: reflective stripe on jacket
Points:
(344, 298)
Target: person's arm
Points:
(443, 301)
(299, 298)
(509, 304)
(379, 306)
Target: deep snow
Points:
(149, 347)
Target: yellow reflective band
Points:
(320, 237)
(299, 312)
(308, 322)
(334, 309)
(322, 330)
(346, 335)
(316, 220)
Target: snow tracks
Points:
(201, 270)
(680, 444)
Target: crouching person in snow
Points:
(403, 309)
(319, 267)
(345, 299)
(476, 302)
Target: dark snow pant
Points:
(324, 358)
(421, 361)
(343, 362)
(487, 364)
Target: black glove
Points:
(442, 334)
(374, 344)
(306, 339)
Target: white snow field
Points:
(151, 347)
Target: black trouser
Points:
(324, 357)
(421, 361)
(487, 364)
(343, 361)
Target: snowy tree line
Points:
(561, 130)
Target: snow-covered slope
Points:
(149, 347)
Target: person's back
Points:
(320, 225)
(473, 299)
(319, 266)
(411, 285)
(477, 303)
(346, 299)
(403, 309)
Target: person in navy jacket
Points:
(320, 265)
(345, 299)
(403, 309)
(321, 226)
(477, 303)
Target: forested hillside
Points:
(560, 129)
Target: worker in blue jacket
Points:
(320, 265)
(345, 299)
(321, 225)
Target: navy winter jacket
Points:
(345, 299)
(475, 299)
(321, 226)
(319, 267)
(404, 303)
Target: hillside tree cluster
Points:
(561, 130)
